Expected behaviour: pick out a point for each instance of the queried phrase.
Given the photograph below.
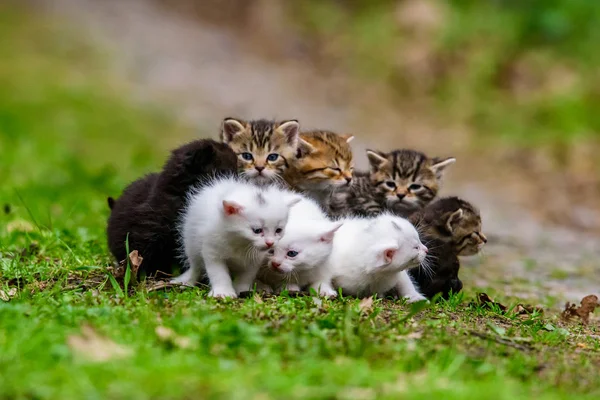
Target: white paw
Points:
(414, 297)
(182, 282)
(328, 292)
(222, 293)
(292, 287)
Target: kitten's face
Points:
(259, 221)
(407, 177)
(324, 161)
(398, 247)
(467, 235)
(264, 148)
(303, 248)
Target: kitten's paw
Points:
(330, 293)
(414, 297)
(292, 287)
(222, 293)
(182, 282)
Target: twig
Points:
(500, 340)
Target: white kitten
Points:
(306, 245)
(227, 230)
(370, 256)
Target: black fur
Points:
(149, 208)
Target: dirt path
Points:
(205, 73)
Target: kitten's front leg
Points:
(406, 288)
(245, 280)
(324, 288)
(192, 275)
(219, 278)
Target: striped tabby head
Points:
(407, 177)
(452, 220)
(324, 161)
(263, 147)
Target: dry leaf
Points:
(135, 261)
(258, 299)
(588, 305)
(94, 347)
(7, 295)
(168, 335)
(487, 301)
(366, 305)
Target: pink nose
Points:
(275, 265)
(269, 243)
(425, 249)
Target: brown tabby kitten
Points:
(323, 162)
(449, 227)
(264, 148)
(402, 181)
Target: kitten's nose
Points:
(275, 264)
(348, 180)
(269, 243)
(401, 195)
(425, 249)
(259, 169)
(482, 236)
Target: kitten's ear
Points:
(376, 159)
(348, 138)
(304, 148)
(292, 201)
(388, 254)
(395, 224)
(232, 208)
(291, 131)
(327, 237)
(453, 219)
(202, 156)
(231, 128)
(440, 164)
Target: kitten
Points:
(322, 163)
(149, 208)
(450, 227)
(402, 182)
(227, 230)
(306, 246)
(370, 256)
(264, 148)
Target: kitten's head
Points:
(406, 177)
(259, 217)
(264, 148)
(324, 161)
(398, 246)
(454, 221)
(305, 246)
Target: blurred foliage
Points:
(526, 70)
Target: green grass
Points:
(69, 137)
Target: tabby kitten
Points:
(264, 148)
(449, 227)
(323, 162)
(402, 181)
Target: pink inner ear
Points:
(231, 208)
(388, 255)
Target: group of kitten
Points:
(273, 208)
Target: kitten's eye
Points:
(257, 230)
(247, 156)
(272, 157)
(390, 184)
(415, 187)
(292, 253)
(278, 230)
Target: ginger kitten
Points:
(450, 227)
(323, 162)
(264, 148)
(401, 181)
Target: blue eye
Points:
(272, 157)
(247, 156)
(292, 253)
(257, 230)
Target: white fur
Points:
(370, 256)
(309, 233)
(218, 237)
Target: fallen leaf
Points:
(588, 305)
(168, 335)
(8, 294)
(366, 305)
(94, 347)
(488, 302)
(258, 299)
(526, 309)
(582, 345)
(135, 261)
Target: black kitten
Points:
(449, 227)
(149, 208)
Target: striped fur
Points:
(401, 181)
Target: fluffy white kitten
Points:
(307, 243)
(227, 230)
(370, 256)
